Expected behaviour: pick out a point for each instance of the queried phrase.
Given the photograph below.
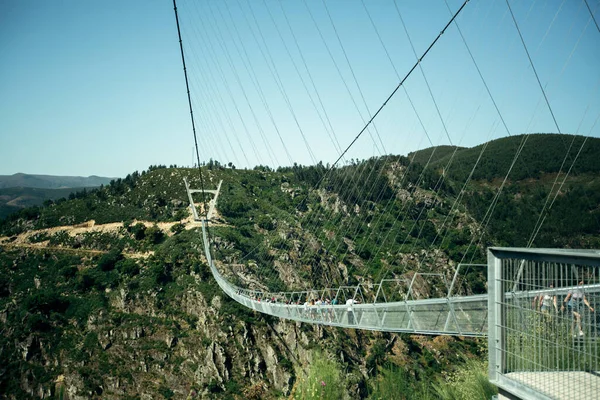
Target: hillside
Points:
(15, 198)
(108, 295)
(433, 155)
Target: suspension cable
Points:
(187, 86)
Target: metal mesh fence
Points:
(544, 328)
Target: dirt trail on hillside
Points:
(23, 239)
(45, 247)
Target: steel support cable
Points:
(393, 92)
(424, 76)
(479, 72)
(362, 170)
(486, 218)
(219, 69)
(259, 89)
(257, 85)
(338, 69)
(207, 125)
(436, 187)
(383, 150)
(219, 109)
(488, 215)
(413, 107)
(573, 163)
(419, 182)
(592, 15)
(450, 161)
(226, 52)
(216, 125)
(542, 217)
(457, 200)
(533, 66)
(495, 106)
(310, 77)
(365, 204)
(327, 126)
(549, 28)
(217, 102)
(273, 73)
(200, 91)
(397, 87)
(545, 209)
(344, 177)
(281, 86)
(464, 187)
(201, 94)
(365, 195)
(489, 212)
(250, 71)
(396, 72)
(187, 86)
(224, 79)
(539, 223)
(216, 97)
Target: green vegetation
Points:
(14, 199)
(322, 381)
(147, 306)
(64, 304)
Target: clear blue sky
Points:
(97, 87)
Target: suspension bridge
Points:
(532, 355)
(259, 80)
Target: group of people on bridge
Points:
(317, 308)
(575, 302)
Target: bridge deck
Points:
(562, 385)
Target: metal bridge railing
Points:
(460, 315)
(544, 329)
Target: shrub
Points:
(109, 260)
(155, 235)
(138, 230)
(322, 381)
(468, 382)
(128, 267)
(177, 228)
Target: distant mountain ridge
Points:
(24, 190)
(51, 181)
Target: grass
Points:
(322, 381)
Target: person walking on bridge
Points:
(575, 300)
(350, 304)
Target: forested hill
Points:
(540, 153)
